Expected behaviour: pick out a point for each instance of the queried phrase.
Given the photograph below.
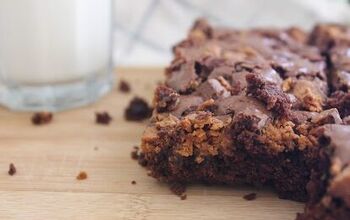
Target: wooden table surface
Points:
(48, 159)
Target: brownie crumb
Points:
(82, 176)
(138, 110)
(12, 169)
(135, 153)
(133, 182)
(41, 118)
(183, 197)
(124, 86)
(103, 118)
(250, 196)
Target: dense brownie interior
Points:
(259, 107)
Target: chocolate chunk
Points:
(212, 88)
(270, 75)
(41, 118)
(187, 103)
(242, 104)
(137, 110)
(223, 71)
(292, 65)
(184, 78)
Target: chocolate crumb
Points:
(41, 118)
(183, 197)
(138, 110)
(103, 118)
(133, 182)
(124, 86)
(135, 153)
(82, 176)
(12, 169)
(250, 196)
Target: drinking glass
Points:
(54, 54)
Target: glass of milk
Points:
(54, 54)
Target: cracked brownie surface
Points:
(259, 107)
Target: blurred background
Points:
(56, 55)
(145, 30)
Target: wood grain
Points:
(49, 157)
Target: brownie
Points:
(262, 107)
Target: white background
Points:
(145, 30)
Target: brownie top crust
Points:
(214, 63)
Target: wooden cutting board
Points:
(48, 159)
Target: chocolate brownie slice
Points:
(252, 107)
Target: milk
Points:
(53, 41)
